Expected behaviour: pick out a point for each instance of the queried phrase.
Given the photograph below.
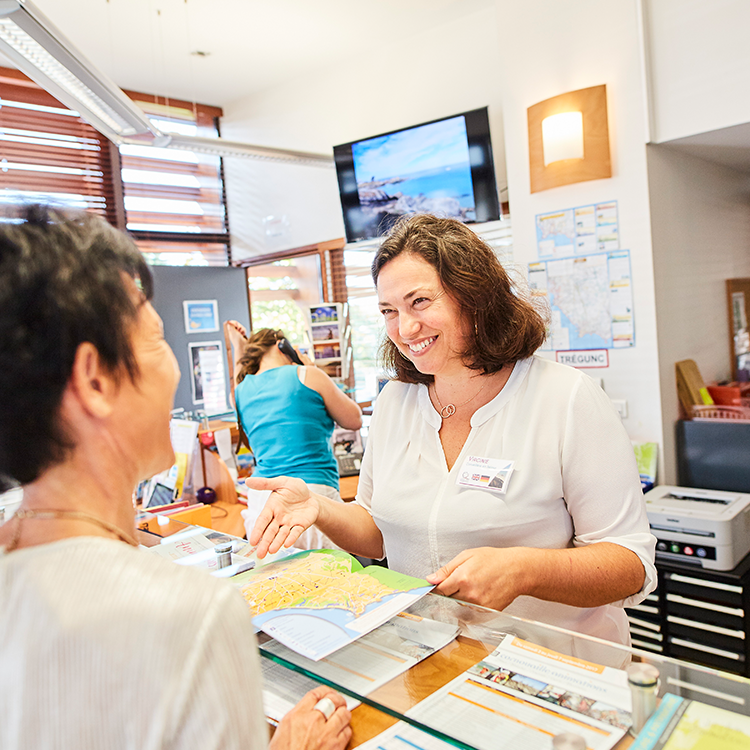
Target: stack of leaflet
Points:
(393, 648)
(691, 725)
(520, 696)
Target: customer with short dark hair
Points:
(101, 644)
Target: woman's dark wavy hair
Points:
(257, 345)
(61, 284)
(505, 327)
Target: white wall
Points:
(548, 49)
(700, 223)
(442, 71)
(700, 65)
(518, 56)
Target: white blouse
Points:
(107, 646)
(575, 482)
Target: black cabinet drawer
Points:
(700, 654)
(718, 615)
(716, 637)
(718, 592)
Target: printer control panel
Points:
(686, 550)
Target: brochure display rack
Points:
(331, 340)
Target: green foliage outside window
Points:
(283, 314)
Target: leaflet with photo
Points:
(522, 695)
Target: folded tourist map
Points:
(317, 601)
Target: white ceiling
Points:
(252, 45)
(146, 45)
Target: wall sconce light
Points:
(568, 139)
(562, 137)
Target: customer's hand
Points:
(488, 576)
(238, 327)
(306, 728)
(290, 510)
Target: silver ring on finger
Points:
(326, 707)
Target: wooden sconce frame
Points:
(596, 164)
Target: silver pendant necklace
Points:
(450, 409)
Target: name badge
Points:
(485, 474)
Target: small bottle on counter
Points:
(223, 554)
(643, 680)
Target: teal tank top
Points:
(287, 426)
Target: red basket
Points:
(718, 412)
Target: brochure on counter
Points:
(317, 601)
(362, 666)
(683, 724)
(521, 695)
(196, 547)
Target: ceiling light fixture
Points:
(40, 50)
(222, 147)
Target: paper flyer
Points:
(362, 666)
(522, 695)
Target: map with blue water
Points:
(318, 601)
(590, 298)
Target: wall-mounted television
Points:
(443, 167)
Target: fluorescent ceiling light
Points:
(38, 49)
(221, 147)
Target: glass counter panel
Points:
(479, 631)
(387, 673)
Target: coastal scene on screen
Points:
(425, 169)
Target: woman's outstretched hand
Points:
(290, 510)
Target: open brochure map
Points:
(320, 581)
(317, 601)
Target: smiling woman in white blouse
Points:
(505, 479)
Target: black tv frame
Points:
(487, 204)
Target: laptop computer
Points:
(347, 449)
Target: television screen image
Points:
(423, 169)
(442, 167)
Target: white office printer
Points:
(709, 528)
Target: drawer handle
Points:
(677, 599)
(706, 626)
(704, 582)
(706, 649)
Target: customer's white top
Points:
(106, 646)
(575, 483)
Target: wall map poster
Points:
(578, 231)
(591, 299)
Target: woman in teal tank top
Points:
(288, 412)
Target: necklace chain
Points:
(450, 409)
(21, 515)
